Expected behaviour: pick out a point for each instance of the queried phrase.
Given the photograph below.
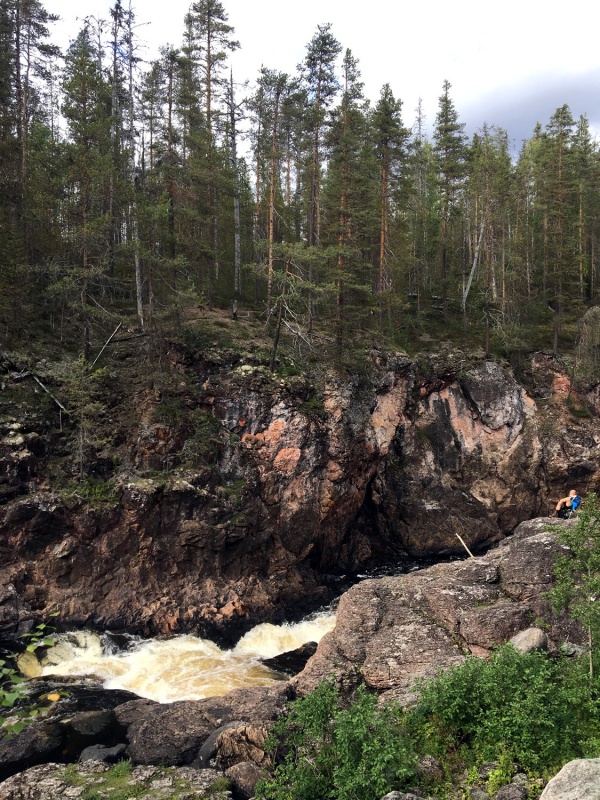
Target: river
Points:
(183, 667)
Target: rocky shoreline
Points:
(389, 632)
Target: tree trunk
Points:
(271, 233)
(383, 235)
(280, 306)
(237, 254)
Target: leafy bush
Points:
(531, 707)
(577, 573)
(322, 750)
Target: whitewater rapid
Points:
(184, 667)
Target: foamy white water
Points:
(184, 667)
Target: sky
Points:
(510, 64)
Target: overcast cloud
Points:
(518, 108)
(510, 64)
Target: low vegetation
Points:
(322, 749)
(123, 781)
(522, 712)
(528, 713)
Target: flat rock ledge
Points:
(391, 632)
(57, 781)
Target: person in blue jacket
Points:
(567, 506)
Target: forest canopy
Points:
(132, 190)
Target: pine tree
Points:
(343, 195)
(390, 148)
(210, 42)
(321, 84)
(25, 66)
(235, 114)
(274, 85)
(164, 198)
(293, 111)
(450, 149)
(31, 54)
(87, 110)
(425, 217)
(488, 208)
(585, 166)
(560, 195)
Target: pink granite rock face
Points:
(308, 480)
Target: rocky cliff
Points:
(240, 506)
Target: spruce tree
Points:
(488, 211)
(210, 41)
(32, 52)
(560, 196)
(424, 215)
(321, 85)
(344, 196)
(585, 167)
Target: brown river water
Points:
(184, 667)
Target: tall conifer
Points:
(450, 148)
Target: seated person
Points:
(567, 505)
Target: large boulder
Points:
(244, 777)
(577, 780)
(84, 716)
(392, 631)
(174, 734)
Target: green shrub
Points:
(313, 408)
(322, 750)
(534, 708)
(169, 411)
(204, 439)
(577, 573)
(96, 492)
(502, 773)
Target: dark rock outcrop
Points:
(292, 662)
(174, 734)
(389, 632)
(304, 481)
(83, 717)
(108, 755)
